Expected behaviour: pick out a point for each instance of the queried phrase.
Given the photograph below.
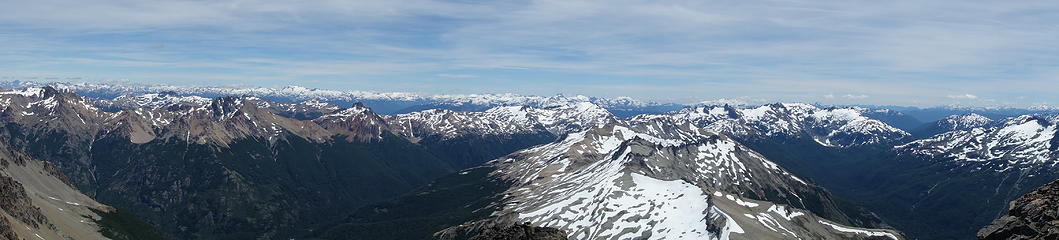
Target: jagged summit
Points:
(355, 123)
(47, 107)
(219, 121)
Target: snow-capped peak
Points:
(447, 124)
(558, 119)
(355, 110)
(965, 121)
(27, 92)
(724, 101)
(622, 181)
(1021, 142)
(156, 100)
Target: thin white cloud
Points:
(846, 96)
(449, 75)
(963, 96)
(736, 101)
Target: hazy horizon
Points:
(705, 100)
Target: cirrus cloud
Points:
(963, 96)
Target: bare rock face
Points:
(501, 228)
(1034, 216)
(15, 201)
(522, 232)
(357, 123)
(6, 233)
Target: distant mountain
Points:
(932, 114)
(472, 138)
(892, 117)
(476, 137)
(832, 127)
(386, 103)
(1023, 143)
(954, 122)
(148, 100)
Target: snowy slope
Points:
(154, 100)
(964, 122)
(663, 181)
(1022, 142)
(448, 124)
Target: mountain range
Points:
(248, 163)
(902, 117)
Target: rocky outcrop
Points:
(6, 233)
(1034, 216)
(521, 231)
(501, 228)
(15, 202)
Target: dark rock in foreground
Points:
(1033, 216)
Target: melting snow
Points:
(859, 231)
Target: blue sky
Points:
(921, 53)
